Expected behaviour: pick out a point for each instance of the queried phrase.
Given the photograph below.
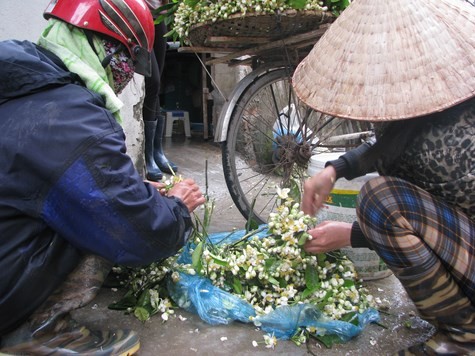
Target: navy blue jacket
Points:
(67, 186)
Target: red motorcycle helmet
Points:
(128, 21)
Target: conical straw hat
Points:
(387, 60)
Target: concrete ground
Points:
(402, 326)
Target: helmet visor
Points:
(142, 61)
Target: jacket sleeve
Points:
(357, 237)
(100, 204)
(353, 163)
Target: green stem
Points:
(245, 237)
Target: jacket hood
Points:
(26, 68)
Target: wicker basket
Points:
(254, 27)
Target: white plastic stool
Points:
(174, 115)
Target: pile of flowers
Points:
(182, 15)
(267, 267)
(273, 270)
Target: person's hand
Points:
(189, 193)
(158, 186)
(328, 236)
(316, 190)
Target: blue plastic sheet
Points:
(284, 322)
(215, 306)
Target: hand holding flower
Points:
(328, 236)
(317, 189)
(161, 187)
(188, 192)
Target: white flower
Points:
(254, 343)
(271, 271)
(282, 193)
(268, 309)
(270, 341)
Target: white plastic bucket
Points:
(340, 206)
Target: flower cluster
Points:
(146, 294)
(144, 297)
(171, 181)
(274, 270)
(189, 14)
(267, 267)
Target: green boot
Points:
(439, 300)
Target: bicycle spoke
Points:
(271, 137)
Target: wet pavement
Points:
(400, 326)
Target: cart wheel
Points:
(271, 137)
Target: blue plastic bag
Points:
(214, 305)
(285, 321)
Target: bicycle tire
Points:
(270, 139)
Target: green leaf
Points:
(297, 4)
(321, 258)
(163, 9)
(219, 261)
(273, 281)
(306, 293)
(295, 192)
(312, 280)
(251, 223)
(269, 262)
(303, 238)
(328, 294)
(191, 3)
(237, 286)
(144, 299)
(128, 301)
(296, 263)
(351, 317)
(348, 283)
(327, 340)
(297, 337)
(196, 257)
(274, 266)
(142, 314)
(282, 283)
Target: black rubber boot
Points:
(160, 159)
(153, 173)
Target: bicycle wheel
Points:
(270, 139)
